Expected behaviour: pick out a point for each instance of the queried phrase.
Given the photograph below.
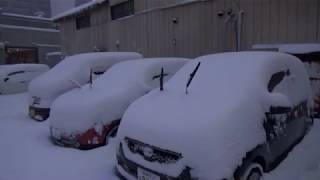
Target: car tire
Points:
(253, 171)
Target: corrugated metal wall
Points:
(198, 29)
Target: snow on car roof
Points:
(221, 116)
(110, 94)
(75, 68)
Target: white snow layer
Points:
(78, 9)
(71, 71)
(110, 95)
(219, 120)
(290, 48)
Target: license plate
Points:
(146, 175)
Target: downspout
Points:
(239, 29)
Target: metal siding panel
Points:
(283, 18)
(311, 30)
(292, 20)
(274, 12)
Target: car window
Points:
(276, 79)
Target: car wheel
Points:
(254, 171)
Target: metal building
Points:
(26, 39)
(26, 7)
(187, 28)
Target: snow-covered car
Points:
(309, 54)
(70, 73)
(223, 116)
(85, 118)
(15, 78)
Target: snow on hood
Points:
(110, 95)
(73, 68)
(219, 121)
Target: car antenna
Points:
(90, 80)
(192, 76)
(161, 78)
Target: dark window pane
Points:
(83, 21)
(122, 9)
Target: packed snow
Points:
(226, 102)
(27, 154)
(109, 96)
(72, 72)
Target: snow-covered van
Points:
(222, 116)
(85, 118)
(72, 72)
(15, 78)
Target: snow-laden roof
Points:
(299, 48)
(26, 16)
(219, 120)
(79, 9)
(110, 95)
(28, 28)
(290, 48)
(54, 54)
(74, 69)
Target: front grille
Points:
(152, 153)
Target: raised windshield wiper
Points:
(161, 78)
(194, 72)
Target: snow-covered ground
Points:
(27, 154)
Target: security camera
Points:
(220, 14)
(175, 20)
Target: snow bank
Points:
(221, 118)
(110, 95)
(71, 71)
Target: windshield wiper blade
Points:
(194, 72)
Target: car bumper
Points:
(127, 169)
(39, 114)
(73, 143)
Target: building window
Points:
(122, 9)
(83, 21)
